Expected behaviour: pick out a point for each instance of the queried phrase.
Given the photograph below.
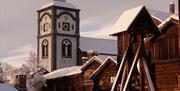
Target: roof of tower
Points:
(60, 3)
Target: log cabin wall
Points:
(104, 80)
(166, 59)
(87, 72)
(166, 46)
(123, 43)
(62, 83)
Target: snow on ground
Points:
(63, 72)
(7, 87)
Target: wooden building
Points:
(134, 29)
(165, 56)
(104, 75)
(66, 79)
(87, 69)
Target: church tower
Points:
(58, 35)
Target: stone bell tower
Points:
(58, 35)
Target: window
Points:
(113, 79)
(44, 49)
(66, 48)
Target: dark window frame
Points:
(44, 49)
(69, 49)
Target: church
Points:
(148, 39)
(59, 42)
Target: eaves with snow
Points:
(59, 3)
(63, 72)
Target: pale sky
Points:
(18, 27)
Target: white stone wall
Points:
(46, 63)
(48, 20)
(69, 20)
(66, 62)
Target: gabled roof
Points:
(95, 58)
(136, 19)
(102, 66)
(170, 19)
(63, 72)
(159, 15)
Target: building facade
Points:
(58, 35)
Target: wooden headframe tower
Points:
(135, 63)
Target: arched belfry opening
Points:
(66, 48)
(44, 49)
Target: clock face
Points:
(66, 26)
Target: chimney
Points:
(91, 53)
(84, 59)
(20, 82)
(171, 7)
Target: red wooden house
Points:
(163, 50)
(87, 69)
(165, 56)
(104, 75)
(66, 79)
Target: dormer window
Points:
(66, 48)
(44, 49)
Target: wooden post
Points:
(114, 86)
(148, 75)
(142, 80)
(179, 25)
(124, 76)
(132, 68)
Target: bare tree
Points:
(7, 70)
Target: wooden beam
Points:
(179, 25)
(114, 86)
(132, 67)
(142, 80)
(124, 76)
(148, 75)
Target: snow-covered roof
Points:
(58, 3)
(174, 16)
(63, 72)
(159, 15)
(104, 57)
(133, 20)
(108, 46)
(7, 87)
(95, 58)
(167, 21)
(126, 19)
(99, 69)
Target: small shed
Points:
(104, 76)
(134, 29)
(87, 69)
(65, 79)
(136, 20)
